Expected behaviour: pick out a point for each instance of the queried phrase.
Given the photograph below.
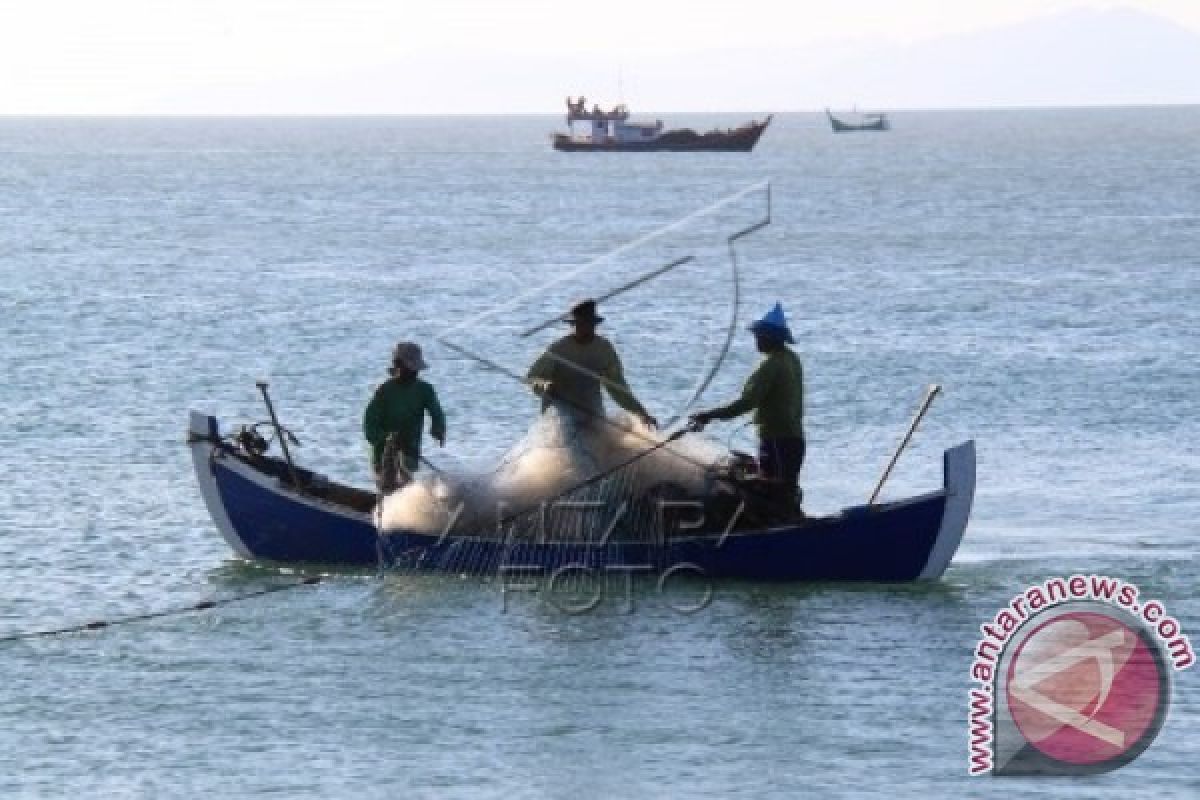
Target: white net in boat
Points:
(571, 479)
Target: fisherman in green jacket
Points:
(572, 370)
(775, 393)
(398, 409)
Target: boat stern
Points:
(959, 479)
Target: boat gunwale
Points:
(245, 468)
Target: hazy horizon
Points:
(469, 58)
(491, 114)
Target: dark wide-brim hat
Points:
(583, 311)
(408, 355)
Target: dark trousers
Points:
(779, 461)
(395, 468)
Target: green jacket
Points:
(775, 393)
(577, 371)
(399, 407)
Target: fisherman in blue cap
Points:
(775, 393)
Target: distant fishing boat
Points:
(611, 131)
(269, 509)
(864, 122)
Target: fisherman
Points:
(775, 393)
(569, 374)
(397, 411)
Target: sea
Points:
(1041, 266)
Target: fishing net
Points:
(582, 489)
(574, 490)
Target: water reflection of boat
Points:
(863, 122)
(611, 131)
(270, 510)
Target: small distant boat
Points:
(865, 122)
(611, 131)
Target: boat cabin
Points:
(608, 127)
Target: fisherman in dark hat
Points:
(571, 371)
(397, 411)
(775, 393)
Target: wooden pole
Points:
(280, 435)
(649, 276)
(930, 393)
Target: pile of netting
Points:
(572, 488)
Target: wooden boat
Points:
(611, 131)
(267, 510)
(867, 122)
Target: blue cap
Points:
(774, 324)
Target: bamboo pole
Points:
(280, 435)
(930, 394)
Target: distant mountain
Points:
(1081, 57)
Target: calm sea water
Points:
(1040, 265)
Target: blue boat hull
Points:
(263, 518)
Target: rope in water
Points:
(203, 605)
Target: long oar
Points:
(930, 393)
(636, 282)
(735, 301)
(279, 434)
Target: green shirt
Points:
(576, 371)
(775, 393)
(399, 407)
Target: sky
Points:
(242, 56)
